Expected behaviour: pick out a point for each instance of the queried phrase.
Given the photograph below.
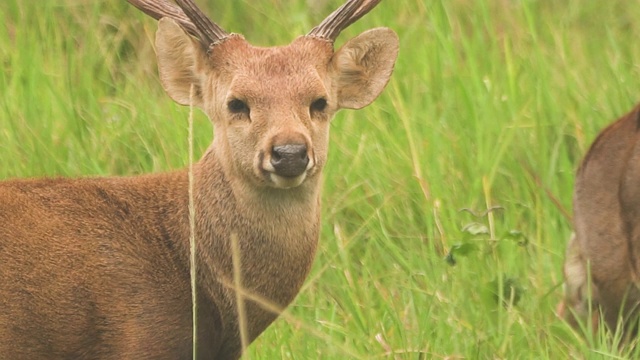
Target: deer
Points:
(99, 268)
(603, 255)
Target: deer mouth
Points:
(284, 182)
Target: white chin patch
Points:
(281, 182)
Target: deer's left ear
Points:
(362, 67)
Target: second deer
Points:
(602, 262)
(98, 268)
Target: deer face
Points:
(271, 107)
(274, 113)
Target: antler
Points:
(188, 16)
(340, 19)
(208, 31)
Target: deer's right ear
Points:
(179, 59)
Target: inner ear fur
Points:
(362, 67)
(179, 59)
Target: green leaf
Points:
(461, 249)
(505, 290)
(475, 229)
(517, 236)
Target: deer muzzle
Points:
(289, 160)
(287, 163)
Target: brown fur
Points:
(603, 257)
(99, 268)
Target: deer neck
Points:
(276, 232)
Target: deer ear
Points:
(362, 67)
(179, 62)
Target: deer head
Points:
(270, 107)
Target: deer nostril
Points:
(289, 160)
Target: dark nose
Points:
(289, 160)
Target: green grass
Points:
(493, 103)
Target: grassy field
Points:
(492, 105)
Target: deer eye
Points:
(319, 105)
(237, 106)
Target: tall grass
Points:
(492, 104)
